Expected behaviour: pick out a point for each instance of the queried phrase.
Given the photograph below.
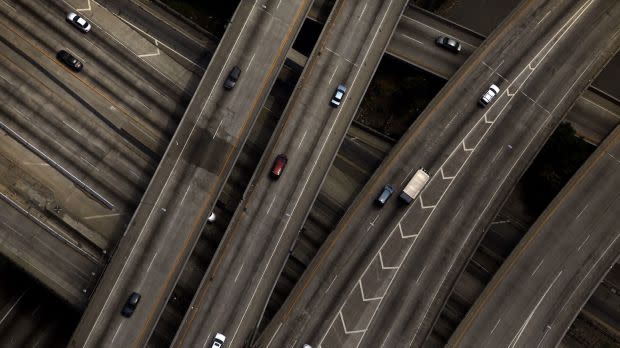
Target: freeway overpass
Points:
(375, 290)
(185, 187)
(539, 290)
(238, 283)
(595, 115)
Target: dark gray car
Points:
(131, 304)
(448, 43)
(232, 78)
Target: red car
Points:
(278, 166)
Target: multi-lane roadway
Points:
(593, 117)
(185, 187)
(366, 288)
(540, 288)
(238, 283)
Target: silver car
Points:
(448, 43)
(78, 22)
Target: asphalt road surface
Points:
(188, 44)
(238, 283)
(53, 259)
(593, 117)
(383, 275)
(534, 297)
(414, 42)
(183, 192)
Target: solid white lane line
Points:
(420, 275)
(240, 268)
(217, 129)
(364, 10)
(161, 193)
(584, 242)
(151, 263)
(537, 267)
(582, 210)
(302, 139)
(13, 306)
(330, 284)
(542, 19)
(334, 73)
(100, 216)
(270, 205)
(412, 39)
(68, 125)
(116, 332)
(251, 60)
(520, 332)
(185, 194)
(494, 327)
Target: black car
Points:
(232, 78)
(69, 60)
(131, 304)
(448, 43)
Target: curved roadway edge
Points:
(595, 113)
(192, 173)
(539, 290)
(383, 274)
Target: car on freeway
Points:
(488, 95)
(338, 95)
(385, 194)
(211, 218)
(278, 166)
(218, 340)
(131, 304)
(448, 43)
(232, 78)
(69, 60)
(78, 22)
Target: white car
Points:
(218, 341)
(489, 95)
(338, 95)
(78, 22)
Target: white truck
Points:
(415, 186)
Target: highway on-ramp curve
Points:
(238, 283)
(536, 294)
(185, 187)
(383, 275)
